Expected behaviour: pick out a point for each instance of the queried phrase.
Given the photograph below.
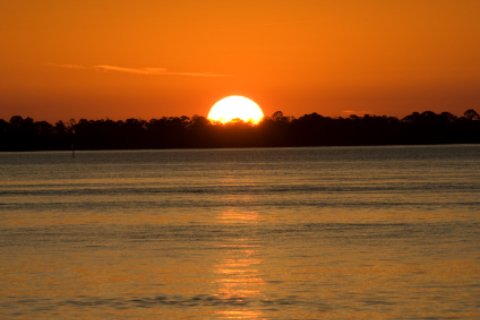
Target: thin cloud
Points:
(146, 71)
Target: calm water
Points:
(331, 233)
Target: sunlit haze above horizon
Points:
(149, 59)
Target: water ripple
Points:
(201, 300)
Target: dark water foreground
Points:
(334, 233)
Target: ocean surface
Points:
(307, 233)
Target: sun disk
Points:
(235, 108)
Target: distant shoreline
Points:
(246, 148)
(311, 130)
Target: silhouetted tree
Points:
(471, 114)
(277, 130)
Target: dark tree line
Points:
(276, 131)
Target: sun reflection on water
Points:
(237, 274)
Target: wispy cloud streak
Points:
(144, 71)
(147, 71)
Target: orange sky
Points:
(63, 59)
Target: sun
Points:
(235, 108)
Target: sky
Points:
(63, 59)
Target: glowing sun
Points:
(235, 108)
